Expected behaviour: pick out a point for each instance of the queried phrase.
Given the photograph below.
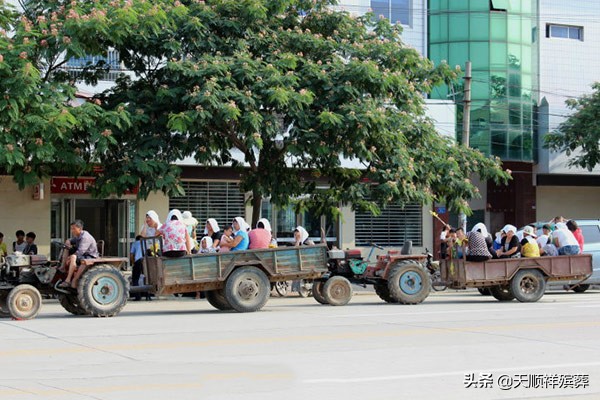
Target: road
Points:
(297, 349)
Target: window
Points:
(222, 201)
(397, 11)
(591, 234)
(112, 60)
(393, 227)
(564, 32)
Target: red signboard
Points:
(71, 185)
(67, 185)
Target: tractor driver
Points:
(81, 246)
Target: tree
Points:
(44, 130)
(287, 92)
(579, 135)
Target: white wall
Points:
(567, 68)
(20, 211)
(415, 34)
(570, 202)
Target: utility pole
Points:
(466, 128)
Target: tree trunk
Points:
(256, 207)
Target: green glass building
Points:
(498, 36)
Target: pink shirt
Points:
(173, 236)
(579, 237)
(259, 238)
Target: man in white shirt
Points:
(565, 240)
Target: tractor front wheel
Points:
(24, 302)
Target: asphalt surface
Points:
(297, 349)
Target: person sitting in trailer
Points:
(212, 229)
(529, 245)
(240, 241)
(576, 230)
(301, 237)
(511, 248)
(176, 240)
(206, 245)
(260, 238)
(226, 239)
(81, 246)
(565, 240)
(477, 245)
(150, 230)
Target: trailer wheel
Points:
(502, 293)
(103, 291)
(382, 290)
(409, 283)
(317, 292)
(337, 291)
(3, 306)
(24, 302)
(247, 289)
(484, 291)
(217, 299)
(70, 302)
(528, 285)
(581, 288)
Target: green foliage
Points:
(44, 129)
(579, 135)
(288, 92)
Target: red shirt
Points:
(579, 236)
(259, 238)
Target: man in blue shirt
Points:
(137, 260)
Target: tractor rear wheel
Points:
(247, 289)
(409, 283)
(103, 291)
(217, 299)
(70, 302)
(528, 285)
(502, 293)
(3, 306)
(382, 290)
(337, 291)
(317, 292)
(24, 302)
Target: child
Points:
(226, 239)
(31, 248)
(20, 244)
(206, 245)
(3, 250)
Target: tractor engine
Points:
(348, 262)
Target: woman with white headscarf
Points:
(478, 248)
(212, 230)
(510, 245)
(151, 224)
(301, 237)
(176, 240)
(241, 241)
(260, 238)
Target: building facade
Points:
(569, 52)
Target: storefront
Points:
(111, 221)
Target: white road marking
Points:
(529, 369)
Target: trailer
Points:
(237, 280)
(524, 279)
